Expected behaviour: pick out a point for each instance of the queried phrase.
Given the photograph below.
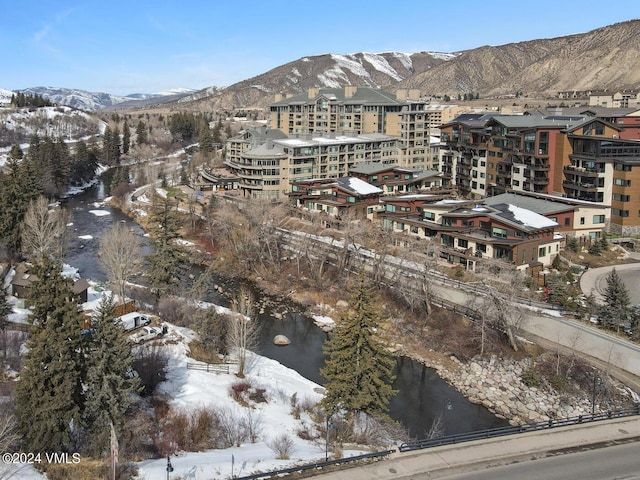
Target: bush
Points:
(531, 377)
(282, 446)
(150, 362)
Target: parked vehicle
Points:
(145, 334)
(133, 320)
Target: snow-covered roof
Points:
(531, 219)
(358, 186)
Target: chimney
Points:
(313, 91)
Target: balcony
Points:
(580, 187)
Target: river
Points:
(422, 395)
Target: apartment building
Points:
(394, 180)
(468, 231)
(583, 157)
(615, 99)
(581, 219)
(362, 110)
(336, 196)
(267, 169)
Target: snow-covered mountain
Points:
(5, 96)
(85, 100)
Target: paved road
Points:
(443, 462)
(607, 351)
(609, 463)
(595, 280)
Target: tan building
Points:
(362, 110)
(615, 99)
(266, 170)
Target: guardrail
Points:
(318, 465)
(503, 431)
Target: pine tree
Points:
(141, 133)
(358, 369)
(49, 393)
(167, 262)
(5, 310)
(109, 384)
(126, 137)
(616, 309)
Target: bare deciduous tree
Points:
(243, 330)
(43, 230)
(119, 256)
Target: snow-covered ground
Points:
(190, 389)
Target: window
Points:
(598, 219)
(542, 252)
(351, 199)
(621, 198)
(499, 232)
(567, 221)
(390, 208)
(429, 216)
(619, 213)
(621, 182)
(581, 220)
(463, 243)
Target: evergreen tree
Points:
(205, 138)
(616, 309)
(126, 137)
(167, 263)
(358, 369)
(109, 384)
(18, 186)
(49, 393)
(141, 133)
(5, 310)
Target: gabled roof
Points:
(589, 120)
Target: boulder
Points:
(281, 340)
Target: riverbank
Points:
(496, 382)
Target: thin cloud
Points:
(44, 32)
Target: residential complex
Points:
(266, 169)
(580, 156)
(362, 110)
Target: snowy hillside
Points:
(5, 96)
(85, 100)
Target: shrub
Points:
(150, 362)
(531, 377)
(282, 446)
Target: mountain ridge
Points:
(605, 58)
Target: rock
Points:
(281, 340)
(341, 304)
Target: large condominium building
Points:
(362, 110)
(266, 169)
(578, 156)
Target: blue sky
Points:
(140, 46)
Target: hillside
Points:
(608, 57)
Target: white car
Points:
(145, 334)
